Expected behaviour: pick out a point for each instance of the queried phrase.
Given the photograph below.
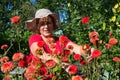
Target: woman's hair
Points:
(54, 22)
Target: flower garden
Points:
(17, 64)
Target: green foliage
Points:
(24, 9)
(79, 9)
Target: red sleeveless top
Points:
(36, 38)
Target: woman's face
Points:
(46, 26)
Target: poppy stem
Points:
(8, 49)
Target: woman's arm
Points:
(33, 41)
(78, 50)
(45, 56)
(33, 48)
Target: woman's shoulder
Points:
(63, 37)
(59, 37)
(35, 36)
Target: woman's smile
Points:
(47, 30)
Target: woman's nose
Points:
(46, 26)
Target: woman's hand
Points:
(45, 57)
(89, 56)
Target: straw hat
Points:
(41, 13)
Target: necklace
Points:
(50, 42)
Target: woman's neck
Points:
(50, 41)
(46, 37)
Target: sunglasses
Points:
(43, 23)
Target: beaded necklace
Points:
(50, 42)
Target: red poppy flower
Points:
(7, 77)
(93, 34)
(67, 52)
(4, 59)
(72, 69)
(77, 57)
(31, 69)
(113, 41)
(77, 77)
(31, 73)
(4, 46)
(63, 39)
(94, 37)
(108, 46)
(15, 19)
(85, 20)
(32, 78)
(96, 53)
(65, 59)
(50, 64)
(70, 47)
(116, 59)
(83, 62)
(7, 67)
(86, 47)
(94, 41)
(50, 76)
(21, 63)
(43, 71)
(35, 61)
(18, 56)
(40, 43)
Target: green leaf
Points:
(104, 26)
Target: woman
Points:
(44, 23)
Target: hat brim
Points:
(31, 24)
